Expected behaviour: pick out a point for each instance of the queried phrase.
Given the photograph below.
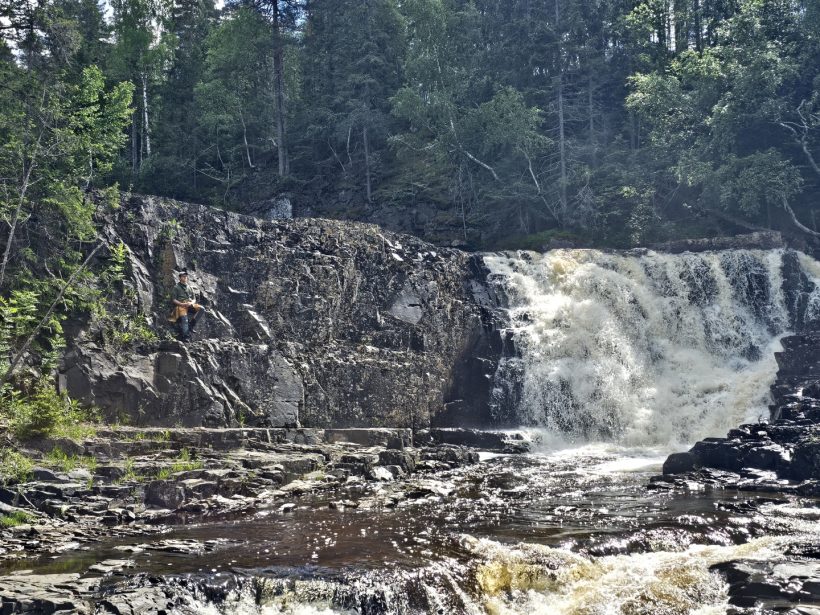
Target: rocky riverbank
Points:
(145, 481)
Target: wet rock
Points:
(719, 453)
(766, 584)
(380, 473)
(342, 504)
(111, 565)
(768, 457)
(185, 547)
(812, 390)
(403, 459)
(48, 593)
(678, 463)
(507, 442)
(164, 494)
(805, 463)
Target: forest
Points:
(605, 122)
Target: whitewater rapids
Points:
(643, 350)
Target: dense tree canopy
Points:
(614, 121)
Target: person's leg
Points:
(184, 328)
(198, 312)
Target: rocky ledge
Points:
(130, 480)
(143, 481)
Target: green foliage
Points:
(42, 412)
(719, 116)
(171, 229)
(18, 314)
(498, 119)
(61, 128)
(14, 467)
(15, 518)
(183, 463)
(116, 309)
(60, 460)
(753, 183)
(130, 474)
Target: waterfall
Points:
(643, 350)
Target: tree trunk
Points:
(797, 222)
(562, 186)
(21, 198)
(279, 91)
(245, 139)
(698, 25)
(146, 132)
(367, 164)
(134, 143)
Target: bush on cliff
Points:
(43, 412)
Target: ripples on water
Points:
(564, 532)
(656, 350)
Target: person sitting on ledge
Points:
(186, 312)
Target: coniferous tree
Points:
(353, 55)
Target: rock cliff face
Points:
(310, 322)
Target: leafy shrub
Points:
(183, 463)
(44, 412)
(14, 467)
(64, 462)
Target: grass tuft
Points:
(18, 517)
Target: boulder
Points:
(164, 494)
(679, 463)
(805, 463)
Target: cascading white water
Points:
(646, 350)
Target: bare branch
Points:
(22, 352)
(797, 222)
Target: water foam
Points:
(647, 350)
(541, 580)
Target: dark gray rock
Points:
(805, 463)
(767, 457)
(403, 459)
(45, 475)
(678, 463)
(312, 322)
(164, 494)
(501, 441)
(719, 453)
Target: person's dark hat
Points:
(183, 272)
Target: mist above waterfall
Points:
(648, 350)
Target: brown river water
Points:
(572, 531)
